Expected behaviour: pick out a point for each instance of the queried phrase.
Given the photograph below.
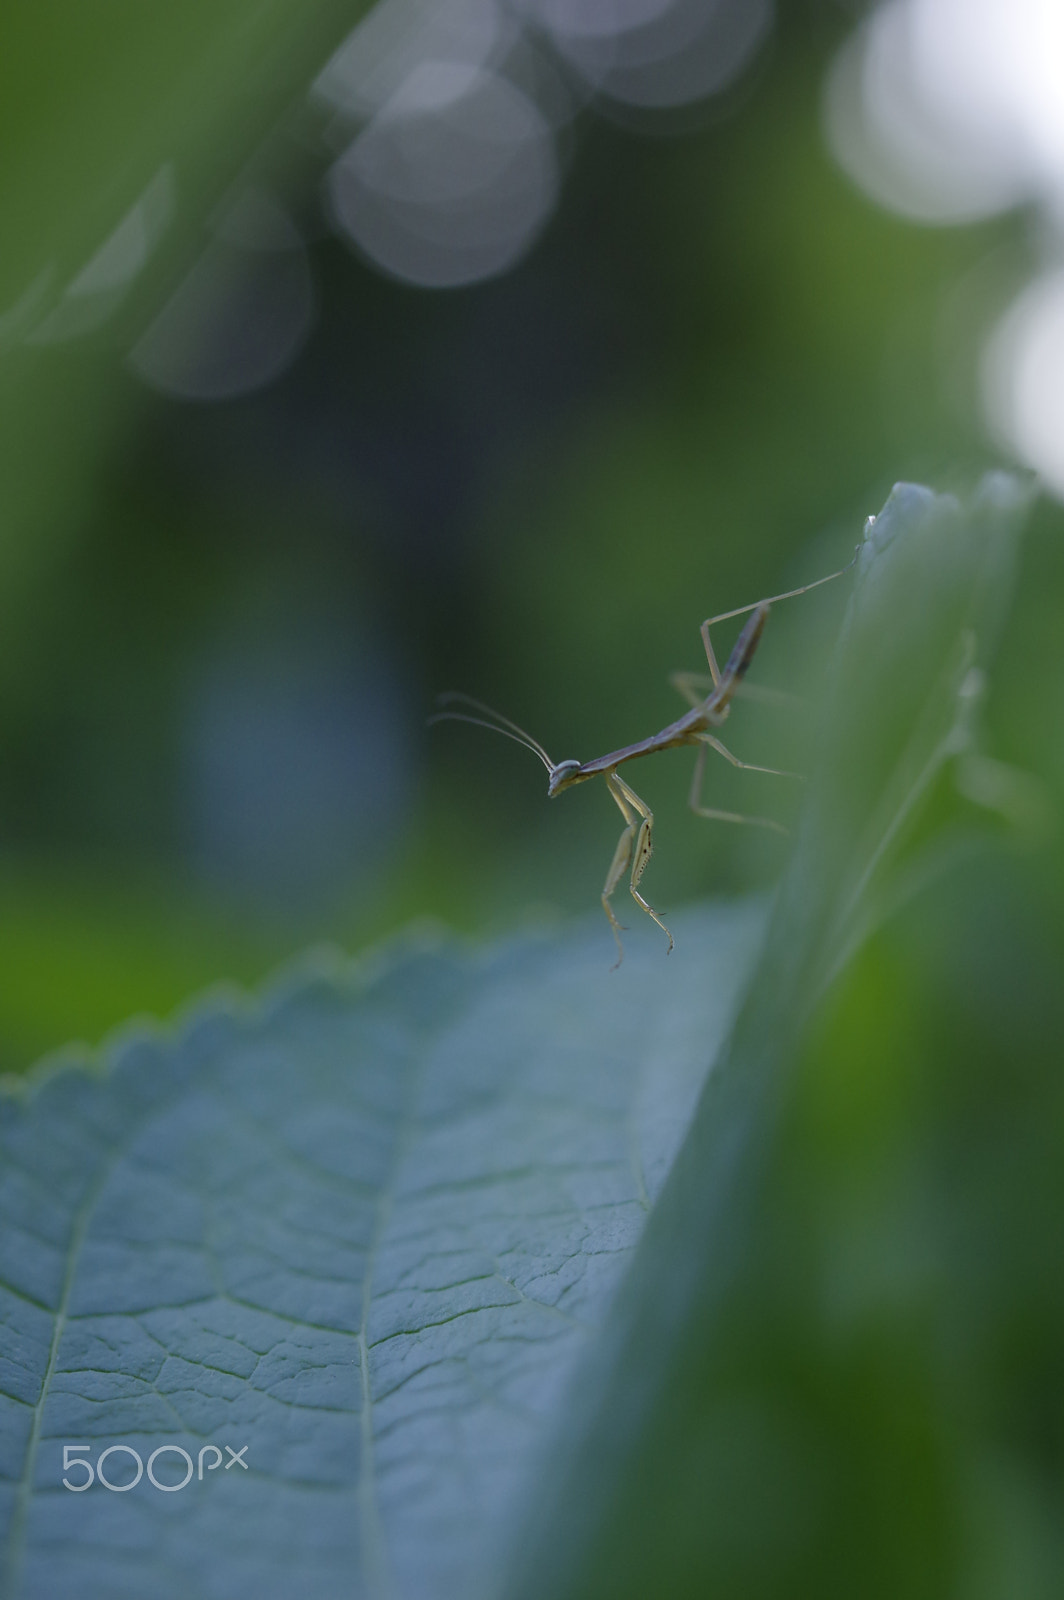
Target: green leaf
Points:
(367, 1230)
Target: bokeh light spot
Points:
(452, 180)
(1024, 378)
(240, 316)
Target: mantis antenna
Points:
(498, 724)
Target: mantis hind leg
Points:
(634, 849)
(694, 799)
(747, 766)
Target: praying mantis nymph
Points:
(708, 711)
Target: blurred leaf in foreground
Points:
(703, 1465)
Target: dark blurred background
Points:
(492, 355)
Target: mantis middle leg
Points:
(634, 847)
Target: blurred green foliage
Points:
(709, 370)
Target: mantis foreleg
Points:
(634, 846)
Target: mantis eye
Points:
(559, 774)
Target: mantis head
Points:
(561, 777)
